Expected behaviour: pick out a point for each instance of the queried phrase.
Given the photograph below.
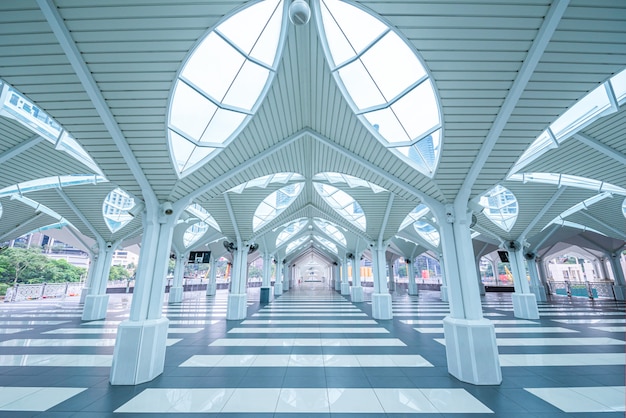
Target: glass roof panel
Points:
(40, 208)
(580, 114)
(500, 207)
(191, 112)
(351, 181)
(568, 180)
(199, 212)
(295, 244)
(360, 86)
(578, 226)
(342, 203)
(274, 204)
(618, 83)
(392, 52)
(222, 83)
(330, 230)
(51, 182)
(194, 233)
(418, 212)
(428, 232)
(291, 230)
(115, 209)
(0, 210)
(69, 145)
(417, 110)
(265, 181)
(542, 144)
(352, 29)
(326, 243)
(624, 208)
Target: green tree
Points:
(118, 273)
(19, 265)
(60, 271)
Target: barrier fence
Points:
(42, 291)
(591, 290)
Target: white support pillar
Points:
(381, 299)
(176, 290)
(619, 287)
(139, 354)
(535, 282)
(211, 286)
(356, 293)
(410, 271)
(481, 285)
(345, 278)
(266, 284)
(541, 267)
(237, 307)
(604, 272)
(443, 289)
(93, 262)
(391, 283)
(278, 281)
(524, 302)
(338, 278)
(97, 300)
(471, 349)
(286, 277)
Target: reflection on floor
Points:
(313, 353)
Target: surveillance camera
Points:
(167, 208)
(109, 245)
(299, 12)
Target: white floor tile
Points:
(362, 400)
(177, 400)
(454, 401)
(582, 399)
(399, 401)
(298, 400)
(309, 322)
(34, 398)
(596, 359)
(312, 330)
(252, 400)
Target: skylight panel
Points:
(578, 207)
(351, 181)
(578, 226)
(40, 208)
(383, 80)
(265, 181)
(115, 209)
(199, 212)
(330, 230)
(618, 83)
(542, 144)
(623, 208)
(295, 244)
(500, 207)
(290, 231)
(223, 81)
(568, 180)
(51, 182)
(342, 203)
(194, 233)
(428, 232)
(585, 111)
(0, 210)
(417, 213)
(274, 204)
(326, 243)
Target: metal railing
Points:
(42, 291)
(591, 290)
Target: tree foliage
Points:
(18, 265)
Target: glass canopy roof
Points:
(51, 182)
(342, 203)
(331, 230)
(600, 102)
(295, 244)
(384, 81)
(428, 232)
(351, 181)
(223, 81)
(568, 180)
(0, 210)
(326, 243)
(291, 230)
(265, 181)
(16, 106)
(40, 208)
(623, 208)
(194, 233)
(418, 212)
(578, 207)
(500, 207)
(274, 204)
(115, 209)
(199, 212)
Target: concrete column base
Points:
(471, 351)
(211, 289)
(83, 294)
(95, 307)
(237, 306)
(413, 290)
(285, 286)
(139, 354)
(266, 294)
(176, 294)
(357, 294)
(345, 289)
(620, 291)
(481, 288)
(444, 293)
(525, 306)
(278, 289)
(381, 306)
(337, 285)
(539, 292)
(391, 286)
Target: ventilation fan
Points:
(529, 256)
(230, 246)
(350, 256)
(474, 220)
(253, 248)
(514, 245)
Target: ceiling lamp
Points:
(299, 12)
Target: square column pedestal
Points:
(337, 285)
(278, 289)
(266, 295)
(444, 293)
(83, 294)
(620, 292)
(345, 289)
(139, 354)
(237, 306)
(357, 293)
(539, 292)
(471, 351)
(95, 307)
(381, 306)
(176, 294)
(525, 306)
(413, 289)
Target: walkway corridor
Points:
(313, 353)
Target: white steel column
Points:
(97, 300)
(211, 286)
(524, 302)
(176, 291)
(339, 278)
(381, 299)
(266, 284)
(278, 281)
(471, 349)
(619, 287)
(356, 292)
(345, 277)
(535, 282)
(410, 271)
(443, 289)
(286, 277)
(237, 307)
(139, 353)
